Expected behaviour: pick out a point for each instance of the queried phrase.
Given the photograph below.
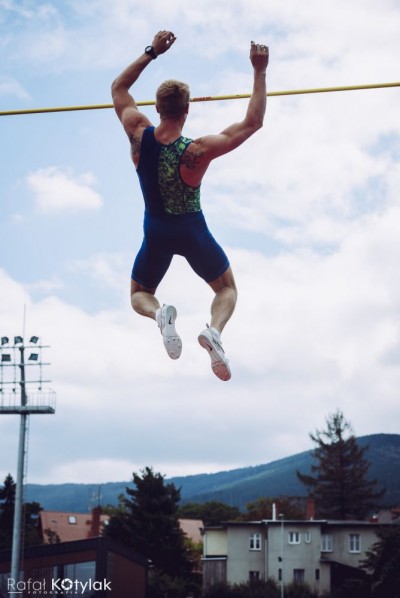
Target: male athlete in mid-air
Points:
(170, 169)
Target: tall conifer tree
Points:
(339, 479)
(148, 522)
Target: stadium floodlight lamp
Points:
(34, 339)
(18, 340)
(4, 340)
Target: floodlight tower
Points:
(23, 403)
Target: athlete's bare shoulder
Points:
(135, 139)
(193, 156)
(193, 164)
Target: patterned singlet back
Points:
(163, 189)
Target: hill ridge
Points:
(237, 486)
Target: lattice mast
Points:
(26, 376)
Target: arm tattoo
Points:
(135, 144)
(191, 159)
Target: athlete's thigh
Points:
(151, 264)
(206, 256)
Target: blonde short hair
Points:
(172, 98)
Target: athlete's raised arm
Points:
(124, 104)
(234, 135)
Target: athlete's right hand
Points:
(162, 41)
(259, 55)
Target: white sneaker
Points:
(210, 340)
(166, 317)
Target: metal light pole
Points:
(41, 402)
(17, 526)
(281, 516)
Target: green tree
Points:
(148, 522)
(290, 507)
(212, 512)
(383, 561)
(250, 589)
(339, 480)
(353, 587)
(7, 501)
(31, 512)
(30, 516)
(299, 590)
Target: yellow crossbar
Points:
(205, 99)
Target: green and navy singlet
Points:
(173, 221)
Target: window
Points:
(279, 574)
(72, 519)
(254, 576)
(294, 537)
(255, 542)
(317, 575)
(298, 575)
(307, 537)
(354, 543)
(84, 572)
(326, 543)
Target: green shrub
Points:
(254, 589)
(299, 590)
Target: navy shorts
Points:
(186, 235)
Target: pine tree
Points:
(31, 516)
(383, 561)
(148, 522)
(7, 501)
(339, 480)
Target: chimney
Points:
(94, 531)
(273, 511)
(310, 508)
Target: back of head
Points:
(172, 98)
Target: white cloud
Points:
(58, 190)
(312, 171)
(9, 86)
(45, 286)
(109, 269)
(97, 34)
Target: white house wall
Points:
(241, 559)
(215, 542)
(304, 555)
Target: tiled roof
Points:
(67, 527)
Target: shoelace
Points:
(216, 339)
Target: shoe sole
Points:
(172, 340)
(219, 367)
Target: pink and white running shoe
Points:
(210, 339)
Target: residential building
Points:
(319, 553)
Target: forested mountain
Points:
(236, 487)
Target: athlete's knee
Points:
(225, 281)
(136, 287)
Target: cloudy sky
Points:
(308, 211)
